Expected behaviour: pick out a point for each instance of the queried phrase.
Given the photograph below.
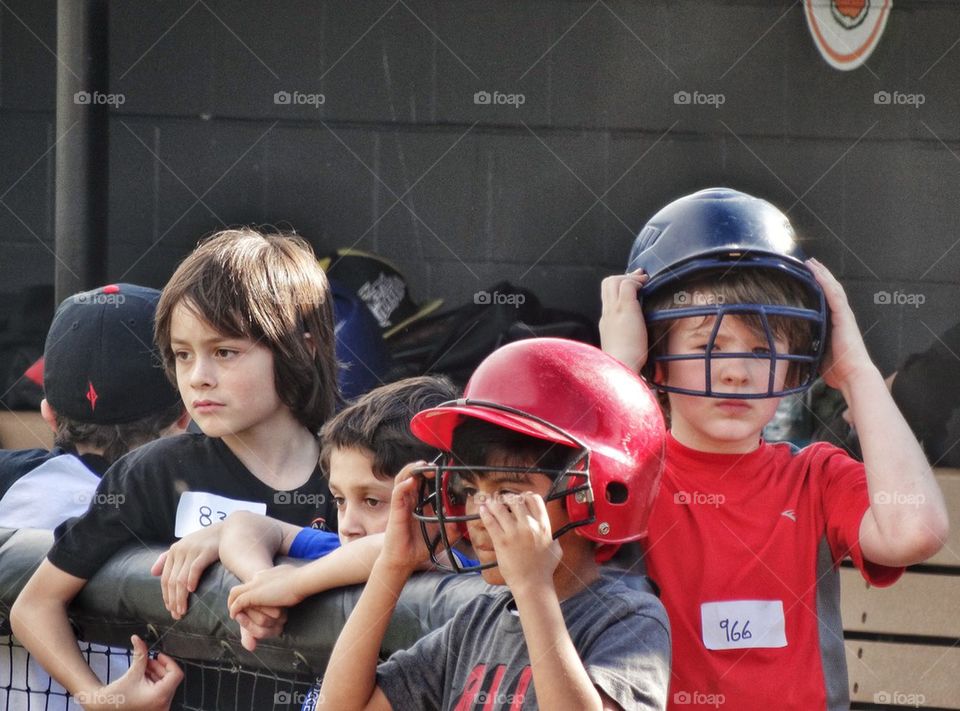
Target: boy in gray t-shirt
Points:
(551, 436)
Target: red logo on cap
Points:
(111, 289)
(92, 396)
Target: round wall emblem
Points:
(846, 31)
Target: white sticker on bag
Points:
(199, 509)
(742, 624)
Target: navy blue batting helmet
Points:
(720, 233)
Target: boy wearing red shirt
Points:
(746, 536)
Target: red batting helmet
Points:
(573, 395)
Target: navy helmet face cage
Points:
(442, 500)
(801, 365)
(721, 232)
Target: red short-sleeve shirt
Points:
(744, 548)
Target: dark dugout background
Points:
(399, 159)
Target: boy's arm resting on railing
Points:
(123, 599)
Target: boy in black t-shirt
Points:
(245, 327)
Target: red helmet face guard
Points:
(442, 500)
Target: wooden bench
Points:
(903, 642)
(24, 429)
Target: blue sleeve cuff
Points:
(311, 544)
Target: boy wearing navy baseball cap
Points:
(105, 394)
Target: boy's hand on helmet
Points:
(846, 356)
(623, 333)
(403, 545)
(519, 528)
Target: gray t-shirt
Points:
(621, 634)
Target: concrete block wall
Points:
(399, 159)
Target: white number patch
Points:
(742, 624)
(199, 509)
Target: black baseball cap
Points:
(100, 363)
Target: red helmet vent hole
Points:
(617, 493)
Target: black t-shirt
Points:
(139, 496)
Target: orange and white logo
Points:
(846, 31)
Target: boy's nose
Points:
(201, 375)
(349, 524)
(733, 371)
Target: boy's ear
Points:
(48, 414)
(659, 372)
(310, 343)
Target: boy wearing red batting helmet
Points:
(546, 470)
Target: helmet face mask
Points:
(735, 238)
(776, 368)
(552, 407)
(442, 501)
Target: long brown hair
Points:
(267, 287)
